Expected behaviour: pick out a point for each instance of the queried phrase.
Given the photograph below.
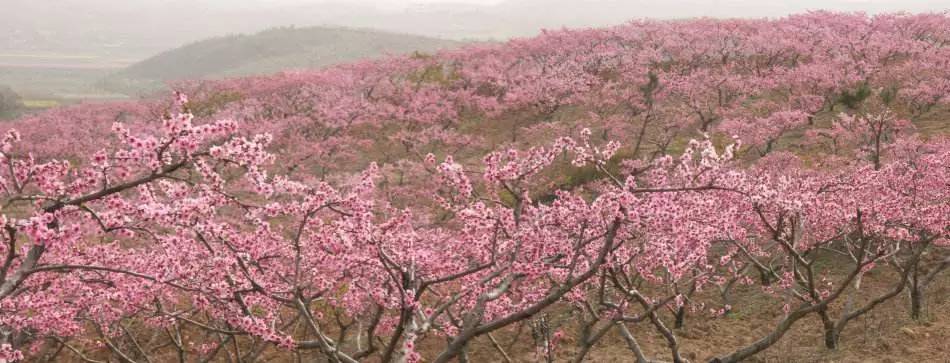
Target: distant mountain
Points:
(10, 103)
(121, 29)
(269, 51)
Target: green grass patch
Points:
(40, 103)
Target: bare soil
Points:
(887, 334)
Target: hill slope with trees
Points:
(10, 103)
(270, 51)
(717, 190)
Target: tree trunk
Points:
(764, 278)
(680, 318)
(831, 333)
(832, 336)
(632, 344)
(916, 294)
(764, 342)
(916, 302)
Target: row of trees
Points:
(10, 102)
(412, 208)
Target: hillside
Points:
(108, 29)
(269, 51)
(677, 191)
(10, 102)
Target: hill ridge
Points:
(269, 51)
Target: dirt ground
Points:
(886, 334)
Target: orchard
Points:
(545, 199)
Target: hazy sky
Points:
(138, 28)
(106, 34)
(405, 3)
(412, 2)
(400, 2)
(495, 2)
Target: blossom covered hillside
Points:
(558, 198)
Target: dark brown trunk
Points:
(680, 318)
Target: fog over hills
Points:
(140, 28)
(60, 48)
(269, 51)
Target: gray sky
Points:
(110, 34)
(874, 4)
(138, 28)
(63, 47)
(403, 3)
(866, 5)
